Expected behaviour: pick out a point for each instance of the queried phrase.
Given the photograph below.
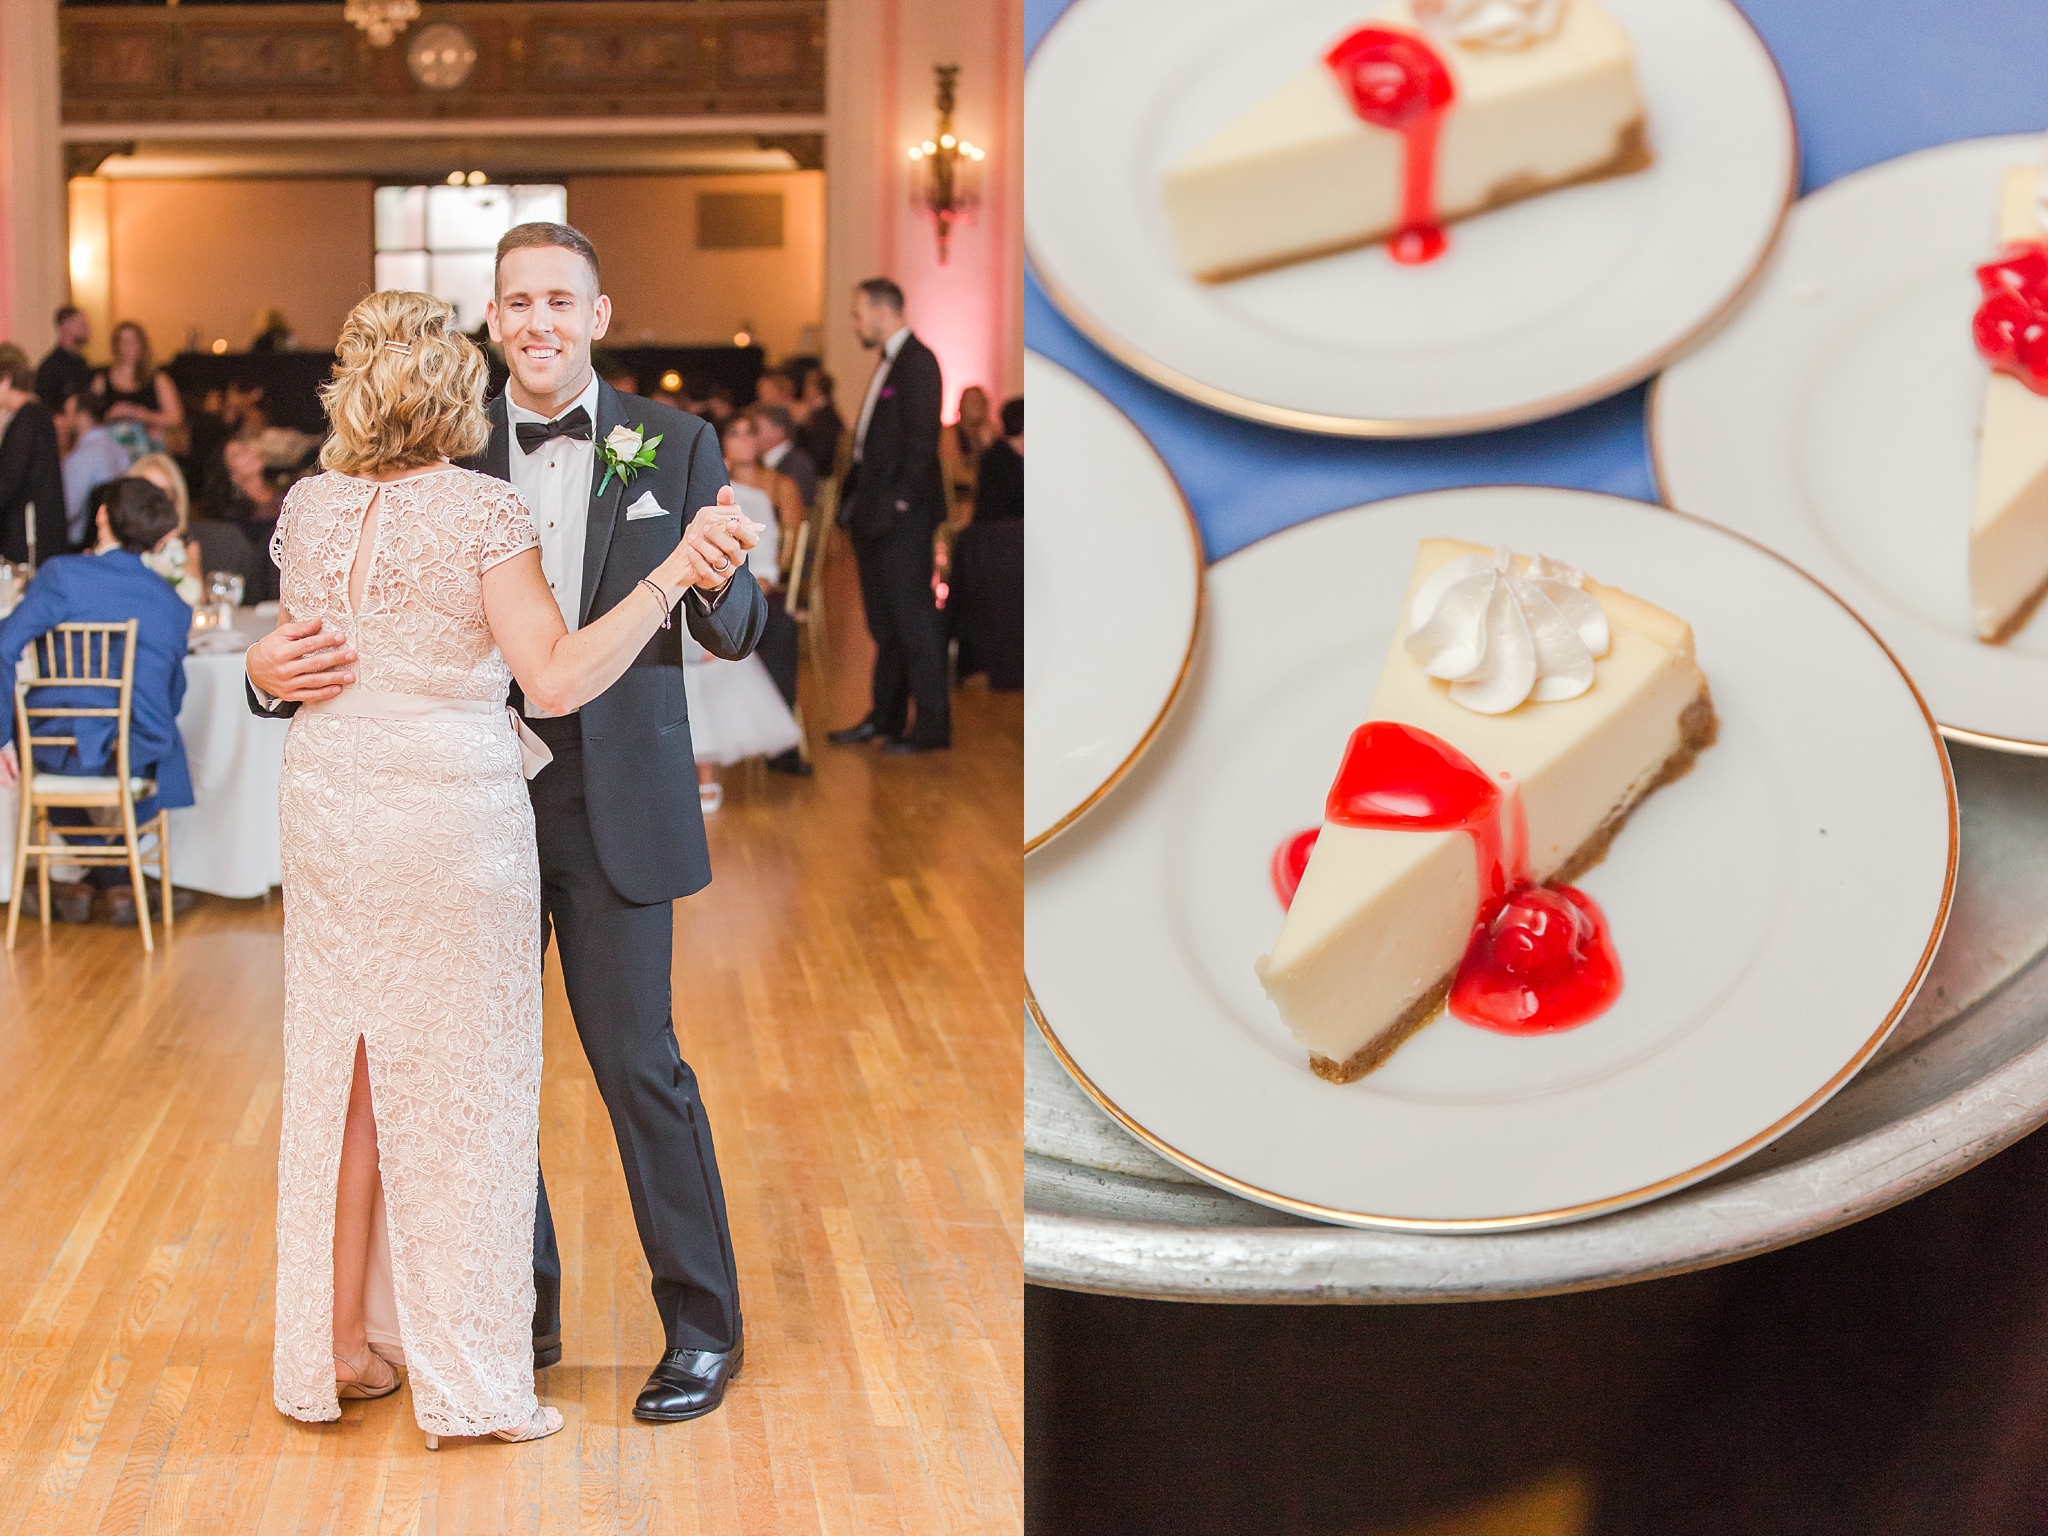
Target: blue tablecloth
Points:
(1870, 80)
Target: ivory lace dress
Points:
(412, 920)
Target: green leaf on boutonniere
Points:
(626, 451)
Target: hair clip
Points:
(399, 346)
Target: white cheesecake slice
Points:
(2009, 523)
(1382, 918)
(1300, 175)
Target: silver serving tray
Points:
(1964, 1075)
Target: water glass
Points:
(223, 593)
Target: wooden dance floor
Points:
(847, 992)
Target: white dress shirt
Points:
(774, 456)
(556, 481)
(881, 376)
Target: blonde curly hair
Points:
(408, 387)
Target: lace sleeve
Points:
(507, 529)
(277, 531)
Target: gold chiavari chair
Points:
(807, 569)
(77, 656)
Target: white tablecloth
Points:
(227, 842)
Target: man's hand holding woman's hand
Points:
(297, 663)
(721, 535)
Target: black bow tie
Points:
(574, 424)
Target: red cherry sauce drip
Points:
(1540, 958)
(1290, 861)
(1395, 80)
(2011, 324)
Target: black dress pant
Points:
(615, 964)
(909, 631)
(780, 647)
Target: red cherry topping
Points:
(2011, 325)
(1290, 863)
(1392, 77)
(1395, 80)
(1404, 779)
(1539, 961)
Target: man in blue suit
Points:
(110, 585)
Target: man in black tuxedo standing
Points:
(616, 813)
(893, 500)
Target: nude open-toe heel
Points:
(545, 1421)
(358, 1387)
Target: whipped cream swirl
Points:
(1500, 635)
(1490, 23)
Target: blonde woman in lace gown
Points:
(411, 890)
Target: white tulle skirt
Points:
(735, 711)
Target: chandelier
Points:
(946, 169)
(381, 19)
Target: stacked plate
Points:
(1780, 906)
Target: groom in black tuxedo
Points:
(616, 813)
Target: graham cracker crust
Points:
(1697, 728)
(2018, 620)
(1631, 154)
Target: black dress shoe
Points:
(792, 763)
(910, 744)
(547, 1350)
(688, 1384)
(70, 901)
(854, 735)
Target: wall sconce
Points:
(945, 170)
(381, 19)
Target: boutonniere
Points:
(625, 453)
(888, 392)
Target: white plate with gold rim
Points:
(1835, 419)
(1112, 597)
(1775, 910)
(1535, 308)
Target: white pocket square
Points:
(646, 506)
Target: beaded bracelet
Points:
(661, 597)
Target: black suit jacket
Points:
(898, 479)
(32, 471)
(639, 772)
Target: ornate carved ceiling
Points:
(534, 58)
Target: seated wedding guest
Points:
(10, 356)
(242, 406)
(65, 372)
(718, 406)
(137, 392)
(960, 448)
(181, 559)
(985, 605)
(243, 496)
(31, 468)
(96, 456)
(775, 387)
(776, 431)
(110, 585)
(161, 471)
(999, 487)
(770, 497)
(818, 425)
(206, 428)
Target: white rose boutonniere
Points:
(625, 452)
